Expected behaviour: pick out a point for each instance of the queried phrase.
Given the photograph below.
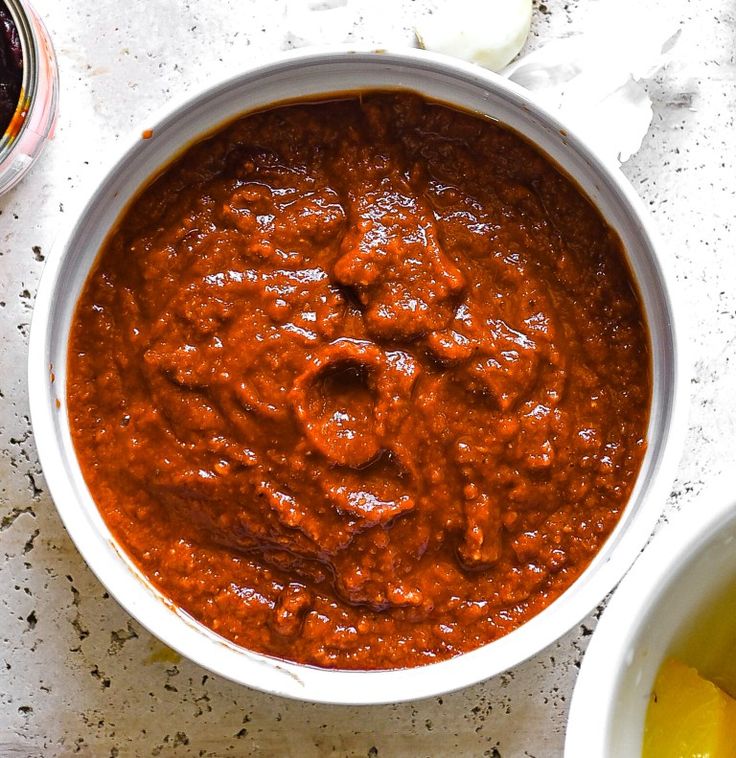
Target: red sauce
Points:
(362, 383)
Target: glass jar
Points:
(34, 119)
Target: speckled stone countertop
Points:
(77, 675)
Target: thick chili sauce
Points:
(361, 383)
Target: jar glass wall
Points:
(33, 122)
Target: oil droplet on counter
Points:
(161, 653)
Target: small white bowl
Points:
(324, 73)
(686, 570)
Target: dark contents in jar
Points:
(11, 67)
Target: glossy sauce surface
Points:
(361, 383)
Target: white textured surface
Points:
(76, 675)
(594, 78)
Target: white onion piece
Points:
(487, 32)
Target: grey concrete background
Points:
(77, 675)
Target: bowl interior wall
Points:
(698, 582)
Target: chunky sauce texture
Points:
(361, 383)
(11, 68)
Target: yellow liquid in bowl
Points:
(692, 708)
(688, 716)
(710, 644)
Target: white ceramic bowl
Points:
(320, 73)
(688, 567)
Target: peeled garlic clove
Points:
(487, 32)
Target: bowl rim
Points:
(652, 576)
(338, 686)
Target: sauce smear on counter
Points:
(361, 383)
